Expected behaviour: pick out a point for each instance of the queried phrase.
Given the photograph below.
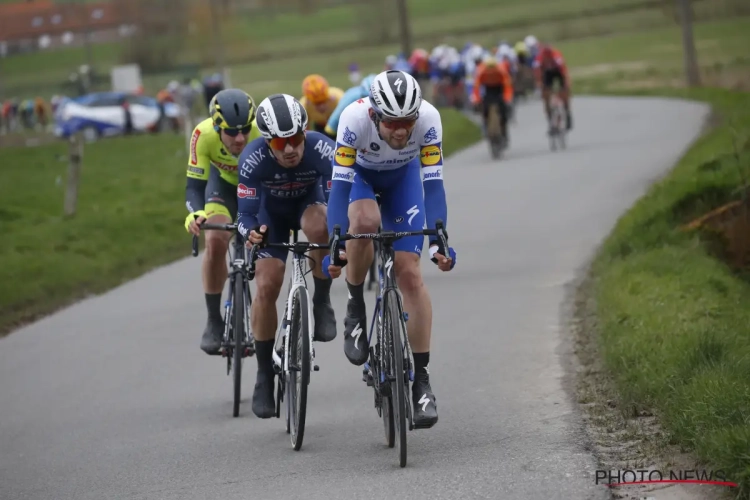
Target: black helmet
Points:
(232, 108)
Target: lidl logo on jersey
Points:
(431, 155)
(194, 147)
(345, 156)
(245, 192)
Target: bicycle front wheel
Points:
(238, 327)
(299, 366)
(394, 331)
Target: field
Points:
(130, 217)
(266, 47)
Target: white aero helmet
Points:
(395, 94)
(530, 41)
(280, 115)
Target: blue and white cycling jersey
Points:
(409, 181)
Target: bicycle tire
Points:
(393, 325)
(299, 347)
(238, 327)
(389, 425)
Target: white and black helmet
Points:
(280, 115)
(395, 94)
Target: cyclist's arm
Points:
(508, 88)
(475, 94)
(431, 157)
(342, 176)
(248, 192)
(199, 165)
(324, 167)
(349, 97)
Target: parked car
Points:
(103, 114)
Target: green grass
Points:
(673, 318)
(263, 41)
(129, 219)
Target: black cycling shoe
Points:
(425, 407)
(212, 337)
(356, 345)
(325, 321)
(264, 405)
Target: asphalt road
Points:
(112, 398)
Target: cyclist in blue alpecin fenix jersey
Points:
(357, 92)
(284, 181)
(390, 143)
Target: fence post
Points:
(75, 153)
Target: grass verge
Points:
(673, 320)
(129, 217)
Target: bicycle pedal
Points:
(316, 368)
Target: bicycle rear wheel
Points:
(494, 131)
(393, 332)
(299, 369)
(238, 327)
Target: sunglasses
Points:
(233, 132)
(397, 124)
(279, 143)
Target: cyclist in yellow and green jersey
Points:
(211, 192)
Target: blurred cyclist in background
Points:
(319, 100)
(549, 67)
(353, 94)
(493, 78)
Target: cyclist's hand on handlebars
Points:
(256, 236)
(331, 269)
(444, 263)
(193, 222)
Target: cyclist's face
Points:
(396, 133)
(289, 155)
(235, 144)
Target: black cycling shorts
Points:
(221, 196)
(550, 75)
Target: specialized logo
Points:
(431, 135)
(194, 147)
(349, 136)
(424, 400)
(388, 266)
(430, 155)
(245, 192)
(345, 156)
(412, 212)
(355, 335)
(398, 84)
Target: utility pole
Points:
(688, 43)
(404, 27)
(216, 29)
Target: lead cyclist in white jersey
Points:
(387, 143)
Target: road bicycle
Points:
(558, 122)
(293, 352)
(495, 131)
(237, 341)
(389, 368)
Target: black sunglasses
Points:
(232, 132)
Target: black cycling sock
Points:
(264, 353)
(357, 291)
(213, 305)
(421, 360)
(322, 292)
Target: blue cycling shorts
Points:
(282, 216)
(401, 200)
